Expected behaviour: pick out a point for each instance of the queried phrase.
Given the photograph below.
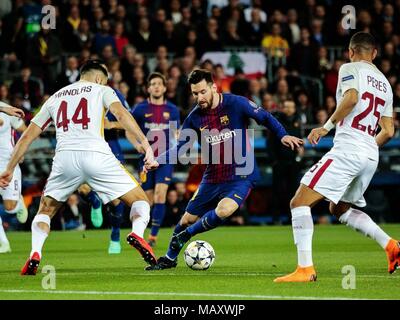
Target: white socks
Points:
(3, 237)
(140, 217)
(38, 235)
(361, 222)
(303, 228)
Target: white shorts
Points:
(102, 172)
(13, 191)
(341, 177)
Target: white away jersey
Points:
(77, 112)
(7, 134)
(356, 133)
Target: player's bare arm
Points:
(387, 131)
(11, 111)
(130, 125)
(350, 99)
(29, 135)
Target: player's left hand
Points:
(14, 112)
(292, 142)
(5, 178)
(316, 134)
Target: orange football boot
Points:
(302, 274)
(393, 255)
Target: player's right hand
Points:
(5, 178)
(316, 134)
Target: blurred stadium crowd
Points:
(304, 43)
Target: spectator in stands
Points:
(120, 16)
(71, 214)
(255, 28)
(231, 36)
(128, 62)
(282, 92)
(144, 39)
(304, 109)
(303, 55)
(103, 37)
(83, 38)
(274, 45)
(211, 40)
(4, 94)
(70, 74)
(285, 165)
(174, 209)
(293, 27)
(256, 5)
(29, 89)
(119, 38)
(331, 78)
(330, 105)
(268, 103)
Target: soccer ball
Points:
(199, 255)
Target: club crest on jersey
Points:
(224, 120)
(166, 115)
(347, 78)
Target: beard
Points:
(207, 104)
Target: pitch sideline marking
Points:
(183, 294)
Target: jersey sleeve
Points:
(388, 112)
(165, 157)
(109, 97)
(43, 117)
(176, 116)
(348, 78)
(262, 117)
(16, 122)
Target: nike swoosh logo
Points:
(148, 115)
(203, 128)
(235, 195)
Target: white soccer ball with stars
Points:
(199, 255)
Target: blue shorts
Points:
(163, 174)
(116, 150)
(208, 195)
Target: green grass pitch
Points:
(247, 261)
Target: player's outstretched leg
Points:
(115, 219)
(361, 222)
(170, 259)
(140, 216)
(4, 243)
(40, 230)
(303, 229)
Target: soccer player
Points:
(12, 199)
(83, 156)
(364, 101)
(117, 207)
(155, 115)
(216, 120)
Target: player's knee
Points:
(295, 202)
(223, 211)
(159, 197)
(338, 209)
(10, 205)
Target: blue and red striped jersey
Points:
(223, 130)
(154, 120)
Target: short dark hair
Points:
(94, 64)
(200, 74)
(154, 75)
(362, 41)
